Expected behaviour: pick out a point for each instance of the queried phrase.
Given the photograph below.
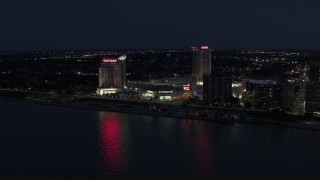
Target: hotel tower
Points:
(201, 65)
(112, 75)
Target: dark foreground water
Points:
(44, 142)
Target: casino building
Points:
(112, 75)
(201, 65)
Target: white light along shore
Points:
(143, 110)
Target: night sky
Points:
(70, 24)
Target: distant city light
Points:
(186, 87)
(204, 47)
(122, 57)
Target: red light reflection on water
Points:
(202, 140)
(204, 153)
(112, 146)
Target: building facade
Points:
(313, 87)
(294, 96)
(263, 97)
(217, 88)
(201, 65)
(112, 75)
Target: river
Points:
(47, 142)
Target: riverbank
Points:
(132, 109)
(176, 111)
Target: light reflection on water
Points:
(158, 144)
(161, 148)
(113, 145)
(45, 142)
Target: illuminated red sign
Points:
(204, 47)
(109, 60)
(186, 87)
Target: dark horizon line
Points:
(157, 49)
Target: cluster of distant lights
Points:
(262, 81)
(273, 52)
(85, 74)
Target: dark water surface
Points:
(45, 142)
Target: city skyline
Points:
(236, 88)
(35, 25)
(165, 89)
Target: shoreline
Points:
(162, 114)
